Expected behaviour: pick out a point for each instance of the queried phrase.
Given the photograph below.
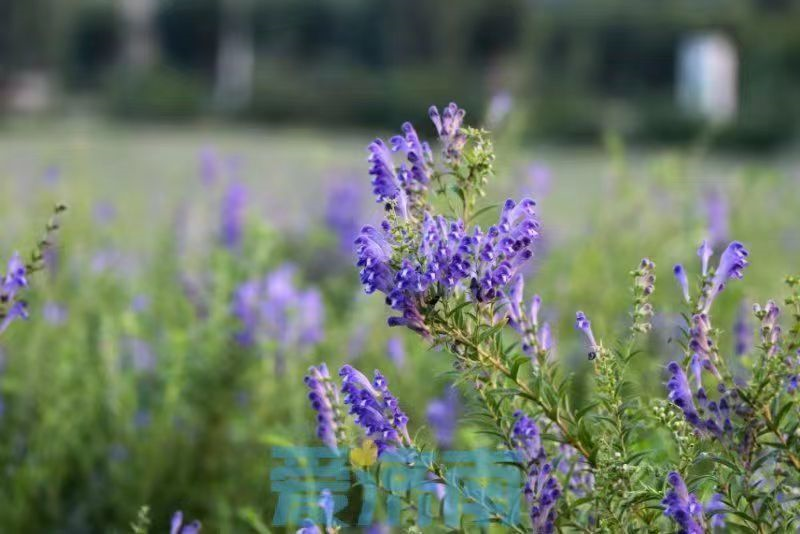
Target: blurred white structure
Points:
(140, 51)
(707, 76)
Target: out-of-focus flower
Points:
(104, 213)
(307, 526)
(540, 179)
(326, 502)
(715, 504)
(344, 212)
(742, 331)
(500, 106)
(542, 489)
(177, 526)
(325, 401)
(209, 166)
(716, 207)
(443, 414)
(573, 463)
(54, 313)
(396, 351)
(234, 206)
(683, 507)
(448, 126)
(374, 408)
(275, 309)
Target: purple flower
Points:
(582, 323)
(527, 438)
(325, 401)
(680, 393)
(715, 504)
(18, 310)
(443, 416)
(683, 507)
(210, 166)
(574, 464)
(374, 408)
(308, 527)
(396, 351)
(276, 309)
(445, 255)
(343, 212)
(731, 266)
(15, 278)
(742, 331)
(327, 503)
(525, 320)
(177, 526)
(683, 281)
(542, 489)
(540, 177)
(448, 127)
(234, 205)
(499, 107)
(54, 313)
(717, 216)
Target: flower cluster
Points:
(325, 401)
(15, 279)
(525, 320)
(542, 489)
(343, 212)
(413, 254)
(443, 416)
(277, 309)
(446, 256)
(683, 507)
(573, 464)
(374, 408)
(731, 266)
(448, 127)
(400, 186)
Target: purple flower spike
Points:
(542, 489)
(681, 394)
(683, 281)
(325, 401)
(374, 408)
(234, 205)
(731, 266)
(682, 506)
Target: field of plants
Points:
(198, 331)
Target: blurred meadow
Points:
(141, 380)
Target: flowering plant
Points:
(459, 286)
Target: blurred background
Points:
(654, 71)
(212, 154)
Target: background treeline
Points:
(580, 66)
